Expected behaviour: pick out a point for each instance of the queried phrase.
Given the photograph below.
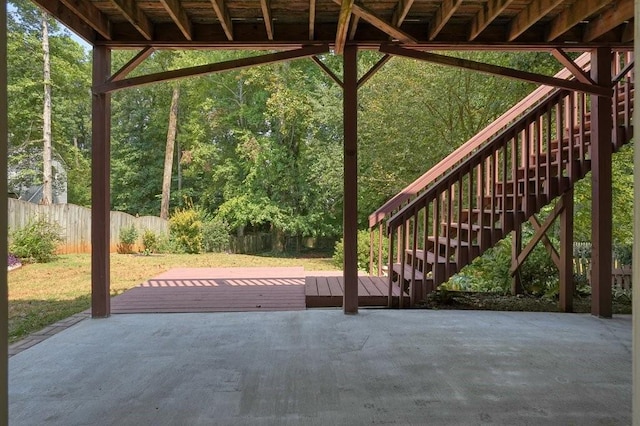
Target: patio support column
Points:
(100, 192)
(516, 249)
(636, 251)
(601, 185)
(4, 290)
(566, 253)
(350, 214)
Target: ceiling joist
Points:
(69, 18)
(573, 15)
(353, 27)
(444, 13)
(402, 9)
(179, 16)
(497, 70)
(346, 8)
(312, 19)
(531, 14)
(487, 14)
(234, 64)
(629, 32)
(393, 31)
(616, 15)
(266, 15)
(91, 16)
(223, 16)
(135, 16)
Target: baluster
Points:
(414, 261)
(380, 243)
(560, 143)
(403, 261)
(390, 274)
(505, 157)
(548, 136)
(469, 221)
(571, 125)
(481, 185)
(526, 166)
(449, 209)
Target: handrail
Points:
(468, 147)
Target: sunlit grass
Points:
(41, 294)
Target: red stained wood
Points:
(372, 291)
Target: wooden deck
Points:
(327, 291)
(244, 290)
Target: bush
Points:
(185, 228)
(364, 245)
(150, 241)
(128, 237)
(624, 253)
(37, 241)
(215, 236)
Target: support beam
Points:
(179, 16)
(393, 31)
(4, 286)
(223, 16)
(343, 26)
(629, 30)
(266, 15)
(635, 352)
(68, 18)
(444, 13)
(620, 12)
(601, 187)
(100, 192)
(350, 224)
(516, 248)
(135, 16)
(567, 286)
(574, 68)
(132, 64)
(327, 70)
(491, 10)
(373, 70)
(312, 19)
(91, 15)
(210, 68)
(497, 70)
(555, 256)
(573, 15)
(530, 15)
(353, 27)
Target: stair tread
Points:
(408, 271)
(453, 242)
(430, 256)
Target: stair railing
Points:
(499, 185)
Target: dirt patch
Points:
(443, 299)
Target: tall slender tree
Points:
(169, 151)
(47, 176)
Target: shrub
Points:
(150, 241)
(364, 245)
(37, 241)
(624, 253)
(215, 235)
(128, 237)
(185, 228)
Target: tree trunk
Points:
(47, 178)
(168, 156)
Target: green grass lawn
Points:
(41, 294)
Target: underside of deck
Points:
(245, 290)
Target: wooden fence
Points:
(620, 274)
(76, 223)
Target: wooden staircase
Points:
(494, 183)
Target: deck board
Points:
(372, 291)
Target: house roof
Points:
(424, 24)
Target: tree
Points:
(47, 179)
(168, 156)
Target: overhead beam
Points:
(629, 31)
(344, 18)
(487, 14)
(443, 14)
(266, 15)
(573, 15)
(402, 9)
(574, 68)
(312, 19)
(353, 27)
(497, 70)
(179, 16)
(91, 15)
(135, 16)
(68, 18)
(223, 16)
(530, 15)
(620, 12)
(132, 64)
(210, 68)
(393, 31)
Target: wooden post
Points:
(516, 249)
(350, 223)
(601, 186)
(4, 288)
(566, 253)
(100, 194)
(636, 252)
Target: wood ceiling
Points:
(432, 24)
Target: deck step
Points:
(398, 267)
(427, 256)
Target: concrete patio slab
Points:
(320, 367)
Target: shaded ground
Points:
(444, 299)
